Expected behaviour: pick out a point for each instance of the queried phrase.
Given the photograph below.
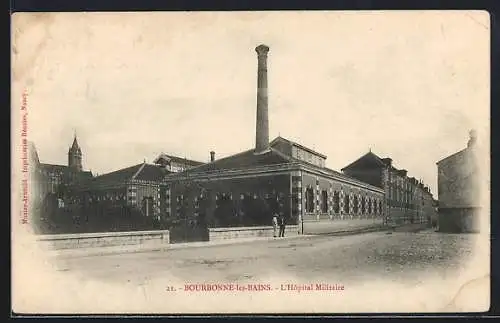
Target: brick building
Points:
(132, 198)
(139, 186)
(407, 200)
(459, 189)
(280, 176)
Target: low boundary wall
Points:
(327, 226)
(217, 234)
(139, 239)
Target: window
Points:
(309, 200)
(324, 201)
(369, 206)
(196, 206)
(346, 203)
(356, 206)
(180, 206)
(380, 207)
(363, 205)
(147, 206)
(336, 200)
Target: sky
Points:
(407, 85)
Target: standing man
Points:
(275, 225)
(282, 224)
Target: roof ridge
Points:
(119, 170)
(361, 157)
(139, 170)
(452, 155)
(224, 158)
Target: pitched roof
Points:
(151, 173)
(293, 143)
(247, 159)
(243, 160)
(458, 153)
(176, 159)
(368, 158)
(118, 175)
(143, 172)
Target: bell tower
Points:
(75, 156)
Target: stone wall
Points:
(105, 239)
(248, 232)
(327, 226)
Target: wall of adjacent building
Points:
(458, 181)
(459, 192)
(407, 201)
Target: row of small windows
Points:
(309, 157)
(366, 203)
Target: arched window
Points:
(336, 202)
(380, 207)
(324, 201)
(369, 200)
(363, 205)
(309, 200)
(355, 204)
(346, 203)
(147, 206)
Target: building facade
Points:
(280, 176)
(128, 199)
(459, 190)
(406, 199)
(247, 189)
(137, 187)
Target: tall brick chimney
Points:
(262, 125)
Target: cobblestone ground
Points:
(401, 257)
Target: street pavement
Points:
(400, 256)
(369, 273)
